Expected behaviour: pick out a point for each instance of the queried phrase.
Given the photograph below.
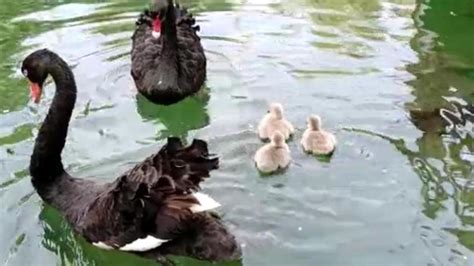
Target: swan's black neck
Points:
(168, 66)
(169, 31)
(45, 164)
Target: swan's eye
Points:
(25, 72)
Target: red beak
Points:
(156, 25)
(35, 90)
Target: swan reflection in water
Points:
(177, 119)
(443, 110)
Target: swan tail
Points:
(176, 168)
(196, 157)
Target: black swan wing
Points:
(151, 204)
(146, 49)
(191, 56)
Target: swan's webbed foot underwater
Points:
(145, 18)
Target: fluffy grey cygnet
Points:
(274, 155)
(274, 121)
(316, 140)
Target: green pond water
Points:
(399, 190)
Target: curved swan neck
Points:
(45, 164)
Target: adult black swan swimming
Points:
(168, 61)
(154, 209)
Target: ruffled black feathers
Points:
(154, 198)
(172, 67)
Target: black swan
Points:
(153, 210)
(168, 61)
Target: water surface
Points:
(398, 191)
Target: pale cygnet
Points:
(316, 140)
(274, 121)
(274, 155)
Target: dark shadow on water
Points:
(178, 119)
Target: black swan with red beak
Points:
(168, 61)
(152, 210)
